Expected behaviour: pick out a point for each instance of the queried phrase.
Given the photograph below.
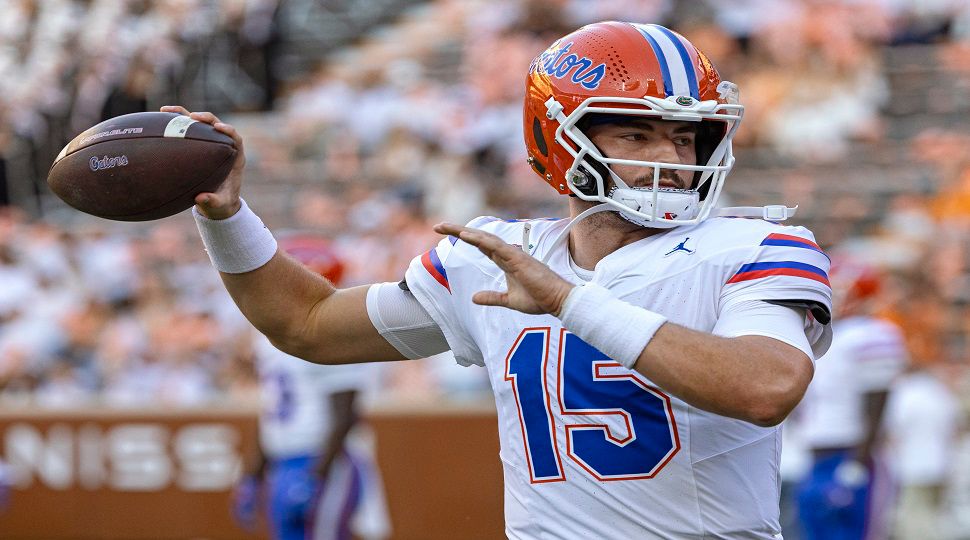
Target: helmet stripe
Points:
(685, 58)
(678, 72)
(661, 59)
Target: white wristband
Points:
(617, 329)
(237, 244)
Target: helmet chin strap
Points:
(565, 232)
(771, 212)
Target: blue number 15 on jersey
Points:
(617, 427)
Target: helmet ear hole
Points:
(540, 140)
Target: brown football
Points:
(141, 166)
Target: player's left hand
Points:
(532, 286)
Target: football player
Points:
(642, 352)
(310, 475)
(846, 494)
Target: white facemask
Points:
(648, 206)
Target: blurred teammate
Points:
(312, 478)
(6, 486)
(649, 348)
(923, 420)
(847, 493)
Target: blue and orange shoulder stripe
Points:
(432, 263)
(431, 259)
(790, 240)
(800, 257)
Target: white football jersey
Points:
(591, 449)
(866, 355)
(295, 417)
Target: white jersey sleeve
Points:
(786, 267)
(427, 278)
(758, 318)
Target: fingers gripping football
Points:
(532, 286)
(225, 201)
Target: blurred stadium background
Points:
(368, 121)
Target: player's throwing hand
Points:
(532, 287)
(224, 202)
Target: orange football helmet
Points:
(620, 68)
(314, 252)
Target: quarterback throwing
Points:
(641, 352)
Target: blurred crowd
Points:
(88, 318)
(67, 64)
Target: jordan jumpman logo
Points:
(680, 247)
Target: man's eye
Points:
(634, 137)
(684, 141)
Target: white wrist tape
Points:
(618, 329)
(237, 244)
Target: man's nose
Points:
(663, 150)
